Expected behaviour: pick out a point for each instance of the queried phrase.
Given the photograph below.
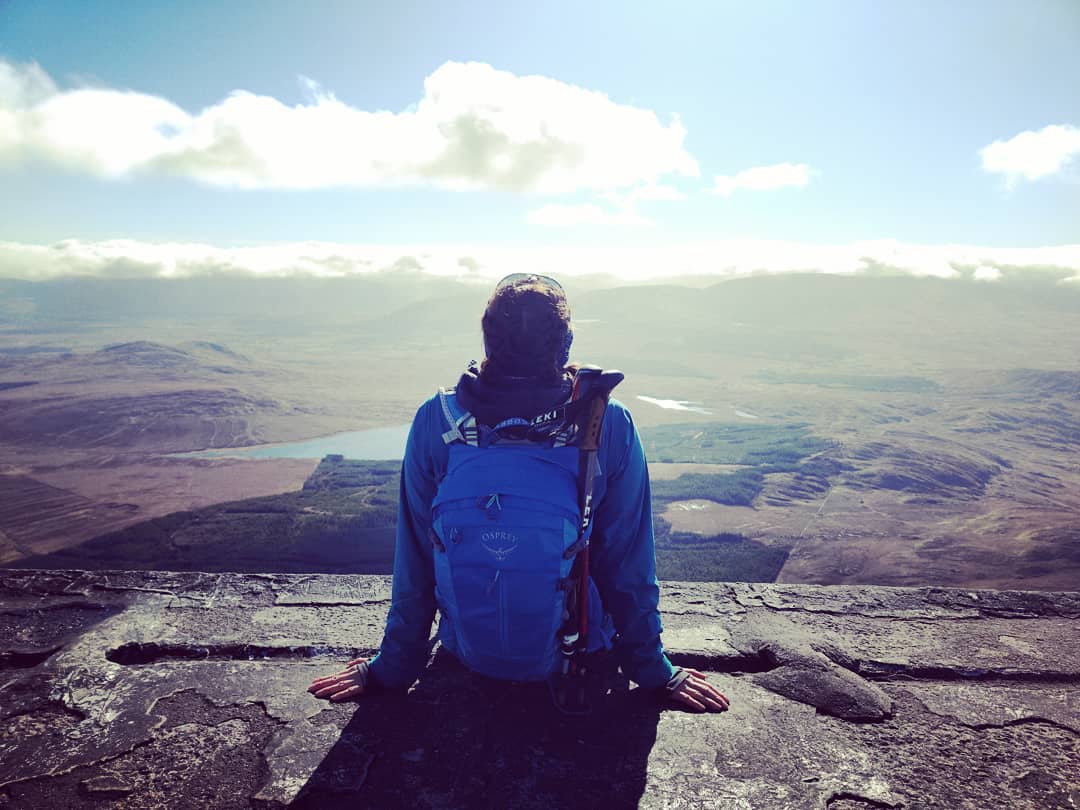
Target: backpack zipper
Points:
(490, 504)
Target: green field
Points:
(729, 443)
(738, 488)
(855, 382)
(748, 561)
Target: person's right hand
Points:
(698, 694)
(345, 685)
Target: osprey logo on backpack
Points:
(500, 544)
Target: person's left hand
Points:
(698, 694)
(345, 685)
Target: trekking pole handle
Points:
(594, 385)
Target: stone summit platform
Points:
(151, 690)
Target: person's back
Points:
(464, 442)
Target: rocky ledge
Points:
(149, 690)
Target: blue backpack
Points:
(507, 527)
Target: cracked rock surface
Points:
(145, 690)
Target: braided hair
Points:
(526, 331)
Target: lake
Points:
(374, 444)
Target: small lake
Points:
(694, 407)
(374, 444)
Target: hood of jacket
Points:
(493, 398)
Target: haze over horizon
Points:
(843, 138)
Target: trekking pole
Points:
(594, 386)
(598, 387)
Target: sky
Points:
(621, 137)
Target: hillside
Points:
(137, 396)
(340, 522)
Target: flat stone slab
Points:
(134, 690)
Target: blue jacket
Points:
(622, 564)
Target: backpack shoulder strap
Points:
(461, 424)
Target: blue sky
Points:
(829, 123)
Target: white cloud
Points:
(474, 128)
(564, 216)
(624, 203)
(763, 178)
(627, 201)
(25, 85)
(483, 263)
(1032, 155)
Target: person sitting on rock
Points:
(539, 568)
